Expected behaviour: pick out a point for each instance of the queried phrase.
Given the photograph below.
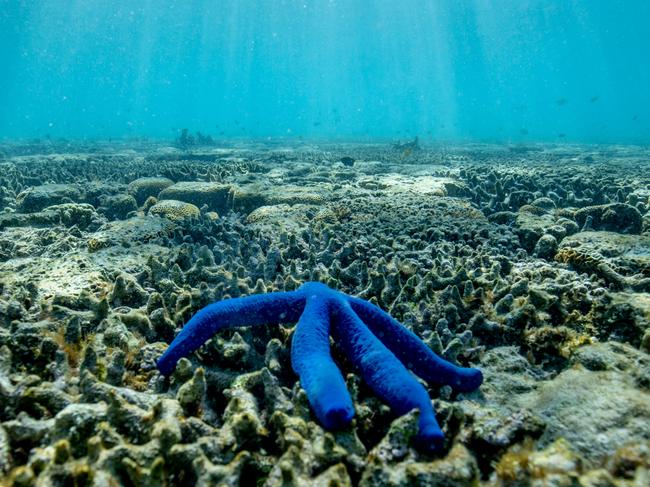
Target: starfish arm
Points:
(271, 308)
(384, 373)
(312, 361)
(413, 351)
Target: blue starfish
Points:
(377, 344)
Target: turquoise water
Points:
(497, 70)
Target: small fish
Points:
(561, 101)
(635, 117)
(316, 124)
(594, 99)
(561, 135)
(523, 131)
(347, 161)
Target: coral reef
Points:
(524, 261)
(143, 188)
(174, 210)
(214, 195)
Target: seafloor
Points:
(530, 262)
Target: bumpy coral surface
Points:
(174, 210)
(524, 261)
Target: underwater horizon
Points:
(499, 71)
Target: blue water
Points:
(497, 70)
